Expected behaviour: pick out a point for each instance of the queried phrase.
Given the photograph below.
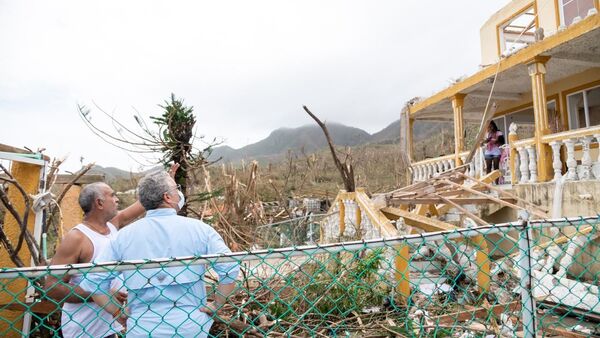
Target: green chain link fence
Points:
(298, 231)
(542, 280)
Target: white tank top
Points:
(88, 319)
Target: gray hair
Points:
(152, 188)
(89, 194)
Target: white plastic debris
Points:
(374, 309)
(582, 329)
(430, 289)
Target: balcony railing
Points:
(576, 142)
(575, 161)
(426, 169)
(571, 157)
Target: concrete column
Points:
(537, 71)
(459, 142)
(409, 137)
(512, 138)
(28, 176)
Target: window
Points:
(525, 119)
(571, 9)
(584, 108)
(518, 32)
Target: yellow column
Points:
(402, 272)
(409, 137)
(13, 291)
(483, 263)
(459, 142)
(537, 71)
(342, 215)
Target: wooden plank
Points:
(567, 310)
(418, 185)
(464, 211)
(499, 201)
(376, 217)
(504, 192)
(85, 179)
(44, 307)
(555, 330)
(479, 313)
(457, 200)
(11, 149)
(421, 222)
(453, 192)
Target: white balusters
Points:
(556, 163)
(430, 170)
(571, 162)
(586, 159)
(524, 167)
(440, 166)
(532, 164)
(446, 165)
(472, 168)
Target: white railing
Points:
(432, 167)
(575, 162)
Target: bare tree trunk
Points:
(346, 169)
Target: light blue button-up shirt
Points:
(164, 302)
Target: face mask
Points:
(181, 200)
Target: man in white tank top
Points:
(81, 317)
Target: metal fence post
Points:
(528, 306)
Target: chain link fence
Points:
(523, 279)
(304, 230)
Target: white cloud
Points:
(246, 66)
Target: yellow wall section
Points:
(71, 212)
(546, 11)
(28, 175)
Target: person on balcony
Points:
(493, 141)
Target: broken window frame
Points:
(524, 33)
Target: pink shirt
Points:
(492, 147)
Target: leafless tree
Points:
(345, 168)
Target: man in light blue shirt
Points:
(165, 302)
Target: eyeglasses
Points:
(177, 187)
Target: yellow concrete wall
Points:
(547, 15)
(71, 212)
(28, 176)
(546, 10)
